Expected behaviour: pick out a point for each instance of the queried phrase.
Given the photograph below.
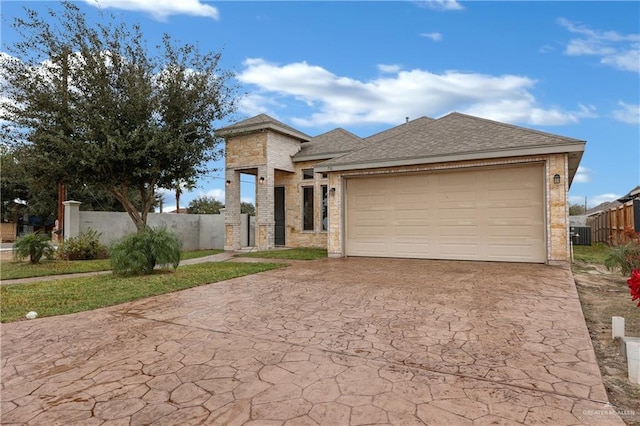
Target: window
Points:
(307, 208)
(324, 208)
(325, 175)
(307, 174)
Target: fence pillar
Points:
(71, 219)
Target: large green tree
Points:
(89, 103)
(205, 205)
(25, 192)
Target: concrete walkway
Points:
(330, 342)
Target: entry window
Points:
(307, 208)
(324, 208)
(307, 174)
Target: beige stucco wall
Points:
(556, 216)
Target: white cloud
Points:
(344, 101)
(628, 113)
(160, 9)
(216, 193)
(432, 36)
(168, 208)
(583, 175)
(593, 200)
(599, 199)
(440, 4)
(389, 68)
(254, 104)
(621, 51)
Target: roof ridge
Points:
(511, 126)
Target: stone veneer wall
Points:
(241, 152)
(558, 248)
(293, 183)
(556, 195)
(246, 151)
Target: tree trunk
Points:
(121, 195)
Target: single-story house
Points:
(458, 187)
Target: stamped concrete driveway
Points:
(332, 342)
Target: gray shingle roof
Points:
(329, 145)
(453, 135)
(398, 130)
(632, 195)
(261, 121)
(602, 207)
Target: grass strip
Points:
(14, 270)
(303, 253)
(65, 296)
(595, 253)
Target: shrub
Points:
(140, 253)
(86, 246)
(626, 258)
(33, 246)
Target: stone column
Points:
(232, 210)
(71, 219)
(265, 222)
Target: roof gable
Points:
(328, 145)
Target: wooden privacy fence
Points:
(8, 231)
(612, 226)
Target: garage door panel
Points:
(458, 250)
(510, 195)
(480, 214)
(410, 250)
(464, 196)
(410, 230)
(451, 232)
(463, 213)
(513, 252)
(371, 249)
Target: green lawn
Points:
(291, 254)
(65, 296)
(14, 270)
(595, 253)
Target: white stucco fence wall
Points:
(197, 231)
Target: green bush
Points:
(33, 246)
(85, 246)
(626, 258)
(140, 253)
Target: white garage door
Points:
(483, 214)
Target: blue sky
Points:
(570, 68)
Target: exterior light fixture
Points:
(556, 179)
(333, 191)
(261, 180)
(228, 182)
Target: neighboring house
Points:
(607, 205)
(459, 187)
(634, 194)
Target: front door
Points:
(279, 214)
